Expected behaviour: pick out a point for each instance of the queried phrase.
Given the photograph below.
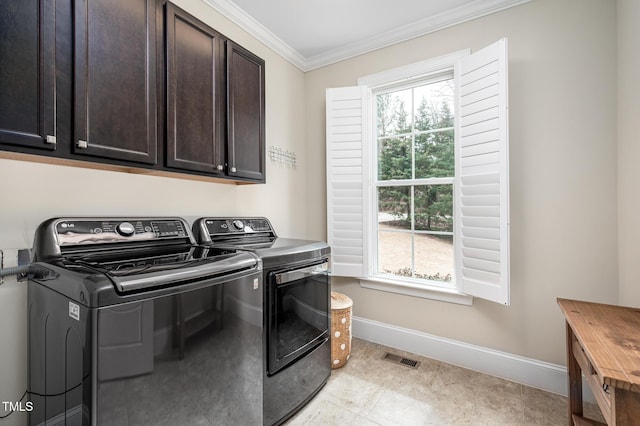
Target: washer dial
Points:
(125, 229)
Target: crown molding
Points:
(239, 17)
(468, 12)
(419, 28)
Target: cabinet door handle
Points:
(233, 170)
(51, 139)
(220, 167)
(82, 144)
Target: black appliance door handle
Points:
(298, 274)
(200, 272)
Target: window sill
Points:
(416, 290)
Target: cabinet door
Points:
(195, 94)
(115, 108)
(27, 73)
(245, 115)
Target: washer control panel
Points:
(96, 231)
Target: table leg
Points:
(626, 407)
(575, 379)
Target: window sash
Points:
(416, 182)
(413, 182)
(412, 231)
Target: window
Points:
(417, 177)
(414, 163)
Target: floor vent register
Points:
(411, 363)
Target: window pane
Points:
(434, 105)
(435, 154)
(394, 158)
(394, 252)
(434, 208)
(394, 207)
(394, 113)
(434, 257)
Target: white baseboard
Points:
(530, 372)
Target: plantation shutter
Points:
(347, 176)
(482, 186)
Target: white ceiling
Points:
(311, 34)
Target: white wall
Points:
(628, 151)
(33, 192)
(562, 71)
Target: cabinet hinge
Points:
(50, 139)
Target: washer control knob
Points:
(125, 229)
(238, 225)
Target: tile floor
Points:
(372, 391)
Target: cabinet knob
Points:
(233, 170)
(51, 139)
(220, 167)
(82, 144)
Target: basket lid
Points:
(340, 301)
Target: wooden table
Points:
(603, 343)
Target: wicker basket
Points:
(340, 329)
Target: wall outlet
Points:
(24, 257)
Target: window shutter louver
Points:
(347, 176)
(482, 209)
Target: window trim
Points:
(395, 79)
(415, 71)
(425, 291)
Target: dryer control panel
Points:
(218, 229)
(238, 225)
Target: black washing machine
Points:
(131, 324)
(297, 361)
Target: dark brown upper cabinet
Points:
(195, 94)
(134, 85)
(115, 99)
(27, 73)
(245, 113)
